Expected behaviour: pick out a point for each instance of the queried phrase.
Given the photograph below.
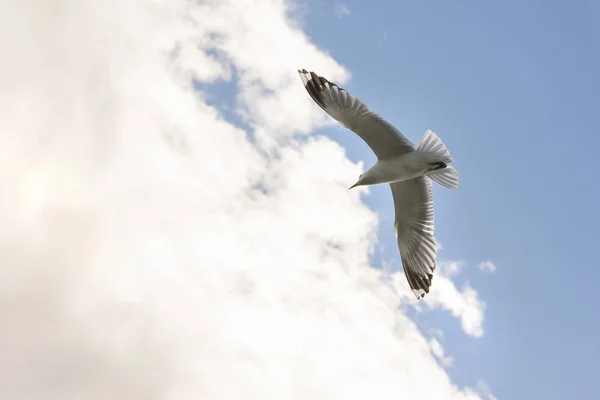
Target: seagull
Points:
(408, 171)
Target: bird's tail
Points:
(445, 176)
(431, 143)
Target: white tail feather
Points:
(446, 177)
(431, 143)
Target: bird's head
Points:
(363, 179)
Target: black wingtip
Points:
(314, 86)
(418, 282)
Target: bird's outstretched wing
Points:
(382, 137)
(413, 204)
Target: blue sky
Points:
(512, 89)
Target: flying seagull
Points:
(407, 169)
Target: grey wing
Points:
(413, 204)
(382, 137)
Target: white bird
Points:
(407, 169)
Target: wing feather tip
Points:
(419, 293)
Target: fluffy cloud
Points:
(487, 266)
(464, 304)
(153, 249)
(438, 351)
(484, 390)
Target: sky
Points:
(512, 89)
(176, 220)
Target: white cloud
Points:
(487, 266)
(438, 351)
(450, 269)
(484, 390)
(436, 332)
(140, 261)
(464, 304)
(341, 10)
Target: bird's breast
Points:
(404, 167)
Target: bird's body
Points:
(406, 169)
(401, 168)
